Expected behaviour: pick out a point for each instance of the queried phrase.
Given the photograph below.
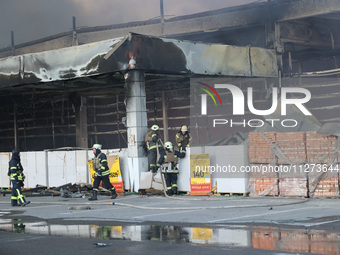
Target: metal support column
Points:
(15, 127)
(165, 118)
(136, 122)
(81, 123)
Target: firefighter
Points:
(102, 173)
(169, 161)
(183, 138)
(15, 171)
(155, 148)
(18, 226)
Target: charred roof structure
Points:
(108, 84)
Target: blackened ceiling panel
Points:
(152, 55)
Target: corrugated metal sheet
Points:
(154, 55)
(62, 64)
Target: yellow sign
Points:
(204, 234)
(115, 174)
(200, 177)
(117, 232)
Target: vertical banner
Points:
(115, 174)
(200, 177)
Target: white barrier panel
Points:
(4, 179)
(82, 168)
(34, 165)
(234, 237)
(183, 181)
(221, 158)
(226, 160)
(62, 168)
(55, 168)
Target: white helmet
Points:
(155, 127)
(97, 146)
(184, 128)
(168, 145)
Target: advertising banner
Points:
(200, 177)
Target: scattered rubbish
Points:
(68, 194)
(102, 244)
(69, 190)
(79, 208)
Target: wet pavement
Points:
(222, 225)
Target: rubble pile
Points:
(69, 190)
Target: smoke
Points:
(35, 19)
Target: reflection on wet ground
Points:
(265, 238)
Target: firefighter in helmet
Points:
(102, 173)
(183, 138)
(155, 148)
(169, 165)
(15, 171)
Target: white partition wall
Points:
(227, 160)
(34, 164)
(62, 168)
(82, 168)
(4, 179)
(67, 167)
(183, 180)
(221, 158)
(56, 168)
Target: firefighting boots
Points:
(114, 194)
(94, 195)
(25, 202)
(169, 192)
(174, 190)
(14, 202)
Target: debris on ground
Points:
(69, 190)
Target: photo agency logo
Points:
(238, 103)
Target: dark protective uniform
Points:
(183, 140)
(18, 226)
(169, 162)
(15, 171)
(155, 149)
(102, 175)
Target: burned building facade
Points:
(72, 89)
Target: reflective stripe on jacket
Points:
(152, 140)
(103, 169)
(16, 170)
(183, 140)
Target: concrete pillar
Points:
(136, 122)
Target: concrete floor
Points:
(180, 209)
(233, 222)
